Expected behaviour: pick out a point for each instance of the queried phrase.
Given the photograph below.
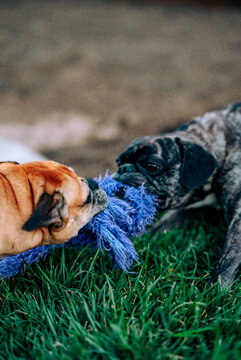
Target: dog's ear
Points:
(197, 164)
(48, 212)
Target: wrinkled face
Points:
(170, 167)
(68, 203)
(156, 162)
(78, 208)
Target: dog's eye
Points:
(151, 167)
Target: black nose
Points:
(126, 168)
(92, 184)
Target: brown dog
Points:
(43, 202)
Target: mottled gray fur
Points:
(201, 157)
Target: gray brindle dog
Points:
(183, 167)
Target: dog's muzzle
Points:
(96, 195)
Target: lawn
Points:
(76, 306)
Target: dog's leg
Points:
(170, 221)
(206, 208)
(230, 260)
(175, 219)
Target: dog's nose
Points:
(92, 184)
(126, 168)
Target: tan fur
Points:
(21, 186)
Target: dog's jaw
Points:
(100, 201)
(81, 211)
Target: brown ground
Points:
(79, 80)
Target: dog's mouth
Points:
(137, 179)
(130, 178)
(99, 200)
(97, 197)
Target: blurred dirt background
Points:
(80, 79)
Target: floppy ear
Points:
(46, 213)
(197, 164)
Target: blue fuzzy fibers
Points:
(128, 213)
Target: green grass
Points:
(76, 306)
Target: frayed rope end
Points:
(109, 231)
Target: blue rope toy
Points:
(128, 212)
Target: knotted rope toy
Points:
(128, 212)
